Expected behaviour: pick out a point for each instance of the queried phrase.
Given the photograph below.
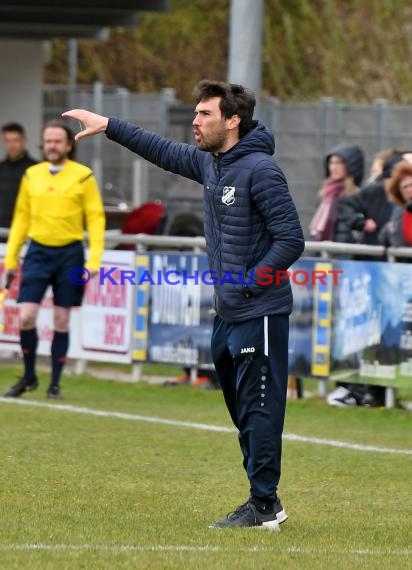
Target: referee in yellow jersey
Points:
(57, 198)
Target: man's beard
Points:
(56, 157)
(213, 143)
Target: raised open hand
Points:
(90, 123)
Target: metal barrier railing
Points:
(325, 249)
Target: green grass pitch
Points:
(82, 491)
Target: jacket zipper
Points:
(216, 164)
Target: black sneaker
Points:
(53, 393)
(247, 515)
(281, 514)
(23, 385)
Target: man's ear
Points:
(234, 122)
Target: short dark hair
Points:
(234, 100)
(13, 128)
(70, 134)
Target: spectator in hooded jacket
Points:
(11, 170)
(250, 223)
(344, 166)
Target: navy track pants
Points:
(251, 361)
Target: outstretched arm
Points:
(90, 123)
(180, 158)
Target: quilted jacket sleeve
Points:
(180, 158)
(272, 198)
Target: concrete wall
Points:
(21, 70)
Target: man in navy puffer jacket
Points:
(253, 234)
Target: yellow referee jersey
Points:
(54, 209)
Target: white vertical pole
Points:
(139, 187)
(245, 47)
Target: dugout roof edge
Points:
(44, 20)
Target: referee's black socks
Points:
(59, 347)
(28, 343)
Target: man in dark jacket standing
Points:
(252, 229)
(11, 170)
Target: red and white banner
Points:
(100, 330)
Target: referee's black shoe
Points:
(53, 393)
(23, 385)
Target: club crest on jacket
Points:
(228, 196)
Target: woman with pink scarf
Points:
(344, 167)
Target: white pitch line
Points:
(406, 552)
(345, 445)
(203, 427)
(117, 415)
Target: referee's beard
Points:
(55, 157)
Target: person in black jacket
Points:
(362, 216)
(251, 228)
(11, 170)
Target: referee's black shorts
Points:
(45, 265)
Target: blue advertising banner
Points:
(372, 323)
(313, 282)
(301, 321)
(181, 309)
(352, 320)
(174, 313)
